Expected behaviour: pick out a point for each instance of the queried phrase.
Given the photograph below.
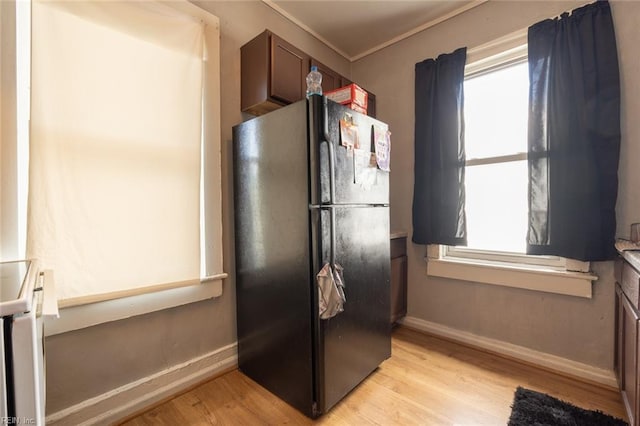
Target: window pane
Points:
(495, 112)
(496, 206)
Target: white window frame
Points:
(538, 273)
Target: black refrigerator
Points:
(304, 200)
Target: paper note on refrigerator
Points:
(382, 145)
(349, 134)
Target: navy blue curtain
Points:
(438, 192)
(574, 135)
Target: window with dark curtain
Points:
(574, 135)
(438, 194)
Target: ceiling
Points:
(357, 28)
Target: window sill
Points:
(518, 276)
(90, 314)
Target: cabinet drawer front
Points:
(398, 247)
(630, 283)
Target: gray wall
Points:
(89, 362)
(86, 363)
(575, 328)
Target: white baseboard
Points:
(551, 362)
(136, 396)
(140, 394)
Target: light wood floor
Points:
(427, 381)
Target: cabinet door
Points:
(630, 360)
(289, 68)
(371, 104)
(255, 63)
(636, 394)
(331, 80)
(618, 337)
(398, 288)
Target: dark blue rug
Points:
(538, 409)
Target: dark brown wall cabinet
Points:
(398, 278)
(289, 68)
(627, 347)
(273, 74)
(371, 104)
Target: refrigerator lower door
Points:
(353, 343)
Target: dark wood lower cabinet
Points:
(619, 338)
(627, 346)
(398, 278)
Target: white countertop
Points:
(16, 287)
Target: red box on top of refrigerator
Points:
(354, 106)
(350, 94)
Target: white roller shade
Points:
(115, 155)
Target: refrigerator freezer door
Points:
(357, 340)
(355, 179)
(273, 261)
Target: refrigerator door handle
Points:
(332, 153)
(332, 172)
(332, 225)
(332, 231)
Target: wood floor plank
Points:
(427, 381)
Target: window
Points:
(87, 172)
(496, 175)
(495, 113)
(496, 92)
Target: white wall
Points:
(574, 328)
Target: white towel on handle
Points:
(331, 296)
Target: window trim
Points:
(77, 317)
(572, 279)
(498, 53)
(567, 283)
(507, 258)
